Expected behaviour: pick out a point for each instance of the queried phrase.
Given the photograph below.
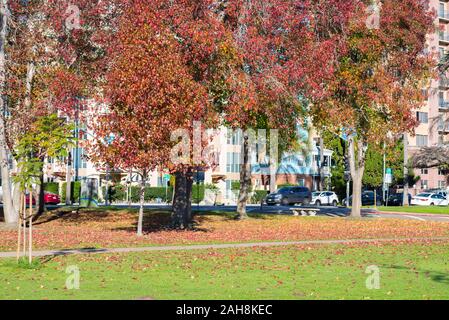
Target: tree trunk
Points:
(245, 179)
(180, 202)
(406, 186)
(274, 159)
(357, 164)
(8, 208)
(142, 202)
(40, 197)
(188, 218)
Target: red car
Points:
(49, 198)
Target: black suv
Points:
(397, 199)
(289, 196)
(367, 199)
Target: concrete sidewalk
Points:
(46, 253)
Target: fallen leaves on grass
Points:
(92, 229)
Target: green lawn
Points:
(408, 271)
(416, 209)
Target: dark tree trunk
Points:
(245, 180)
(40, 197)
(188, 218)
(180, 202)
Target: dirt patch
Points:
(7, 227)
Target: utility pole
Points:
(320, 166)
(384, 184)
(347, 174)
(107, 186)
(405, 200)
(68, 190)
(77, 152)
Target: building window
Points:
(235, 138)
(10, 162)
(80, 159)
(423, 117)
(233, 162)
(441, 98)
(442, 172)
(422, 141)
(424, 184)
(441, 184)
(424, 171)
(442, 53)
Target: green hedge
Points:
(258, 196)
(198, 190)
(52, 187)
(287, 185)
(76, 191)
(118, 193)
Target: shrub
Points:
(198, 192)
(258, 196)
(287, 185)
(118, 193)
(76, 191)
(51, 187)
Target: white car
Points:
(1, 194)
(429, 199)
(324, 198)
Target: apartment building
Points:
(433, 117)
(298, 168)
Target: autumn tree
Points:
(27, 54)
(378, 80)
(150, 94)
(283, 54)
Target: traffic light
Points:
(347, 169)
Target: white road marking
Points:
(332, 215)
(416, 218)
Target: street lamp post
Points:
(68, 190)
(77, 155)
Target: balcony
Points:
(444, 38)
(444, 105)
(444, 16)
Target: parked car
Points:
(327, 198)
(429, 199)
(397, 199)
(49, 198)
(443, 193)
(367, 199)
(1, 194)
(290, 196)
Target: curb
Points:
(436, 215)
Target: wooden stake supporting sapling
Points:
(24, 226)
(30, 229)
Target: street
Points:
(325, 211)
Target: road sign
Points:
(389, 176)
